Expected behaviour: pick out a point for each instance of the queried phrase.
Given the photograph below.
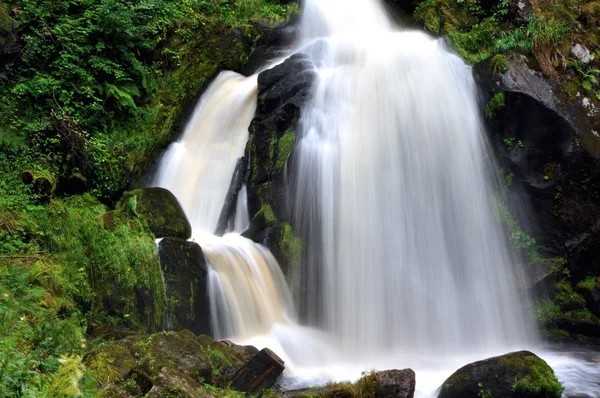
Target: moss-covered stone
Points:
(186, 284)
(110, 362)
(160, 209)
(176, 350)
(516, 375)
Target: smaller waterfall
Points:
(198, 168)
(248, 292)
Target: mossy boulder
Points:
(110, 362)
(176, 350)
(186, 285)
(516, 375)
(161, 210)
(168, 364)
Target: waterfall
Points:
(392, 168)
(390, 189)
(247, 289)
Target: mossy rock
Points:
(176, 350)
(186, 282)
(161, 210)
(516, 375)
(111, 363)
(170, 383)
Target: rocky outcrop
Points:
(516, 375)
(186, 285)
(165, 364)
(282, 92)
(550, 149)
(161, 210)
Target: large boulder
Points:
(160, 208)
(164, 364)
(516, 375)
(282, 93)
(186, 285)
(550, 149)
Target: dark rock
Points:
(160, 208)
(186, 283)
(592, 297)
(549, 146)
(259, 373)
(227, 216)
(516, 375)
(583, 254)
(395, 383)
(274, 43)
(282, 92)
(246, 351)
(520, 11)
(538, 278)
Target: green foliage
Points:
(538, 33)
(517, 237)
(365, 387)
(218, 360)
(496, 103)
(538, 380)
(267, 215)
(56, 261)
(100, 85)
(588, 76)
(511, 143)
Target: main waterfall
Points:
(393, 169)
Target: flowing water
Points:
(404, 262)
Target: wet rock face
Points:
(282, 93)
(583, 254)
(548, 147)
(516, 375)
(160, 208)
(186, 283)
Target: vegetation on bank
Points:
(546, 31)
(89, 91)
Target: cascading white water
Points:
(393, 158)
(405, 265)
(247, 288)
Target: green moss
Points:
(518, 238)
(291, 245)
(496, 103)
(284, 149)
(441, 16)
(218, 358)
(266, 215)
(365, 387)
(588, 284)
(566, 298)
(110, 362)
(537, 380)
